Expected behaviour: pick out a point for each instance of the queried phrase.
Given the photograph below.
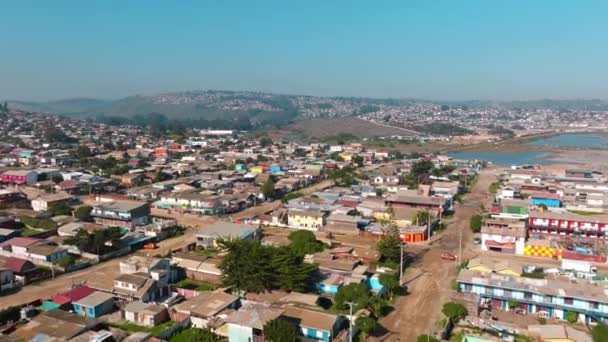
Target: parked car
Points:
(448, 256)
(477, 240)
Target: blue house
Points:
(314, 325)
(548, 200)
(275, 168)
(94, 305)
(240, 167)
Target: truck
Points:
(576, 265)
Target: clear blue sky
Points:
(456, 49)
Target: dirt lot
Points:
(428, 279)
(321, 128)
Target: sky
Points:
(432, 49)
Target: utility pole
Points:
(350, 322)
(460, 247)
(401, 263)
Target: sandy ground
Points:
(428, 279)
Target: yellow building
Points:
(346, 156)
(490, 266)
(257, 169)
(305, 219)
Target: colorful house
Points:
(548, 200)
(94, 305)
(314, 325)
(257, 169)
(306, 219)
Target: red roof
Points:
(72, 295)
(18, 265)
(348, 203)
(20, 242)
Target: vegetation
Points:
(60, 208)
(600, 332)
(366, 325)
(439, 128)
(537, 274)
(66, 261)
(195, 285)
(512, 304)
(494, 187)
(426, 338)
(268, 188)
(290, 196)
(390, 283)
(344, 176)
(422, 217)
(195, 335)
(390, 245)
(83, 213)
(250, 266)
(302, 242)
(356, 293)
(454, 311)
(572, 317)
(94, 242)
(42, 223)
(10, 314)
(132, 327)
(476, 223)
(279, 330)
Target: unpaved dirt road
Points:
(428, 278)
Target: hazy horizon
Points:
(435, 51)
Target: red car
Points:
(448, 256)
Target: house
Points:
(206, 308)
(7, 279)
(579, 173)
(136, 286)
(207, 236)
(190, 202)
(558, 333)
(159, 269)
(55, 325)
(504, 235)
(94, 305)
(247, 323)
(145, 314)
(547, 222)
(22, 269)
(198, 267)
(345, 224)
(46, 253)
(65, 299)
(121, 213)
(548, 298)
(305, 219)
(548, 200)
(43, 203)
(131, 179)
(7, 234)
(437, 203)
(19, 177)
(490, 266)
(314, 325)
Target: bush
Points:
(600, 333)
(44, 223)
(10, 314)
(426, 338)
(572, 317)
(279, 330)
(83, 213)
(454, 311)
(475, 223)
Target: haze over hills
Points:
(247, 109)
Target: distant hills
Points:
(247, 110)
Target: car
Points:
(477, 240)
(448, 256)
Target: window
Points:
(568, 301)
(595, 305)
(527, 295)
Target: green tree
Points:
(57, 179)
(426, 338)
(268, 188)
(421, 168)
(390, 244)
(60, 208)
(390, 283)
(265, 141)
(377, 306)
(195, 335)
(358, 160)
(356, 293)
(246, 267)
(66, 261)
(422, 217)
(476, 223)
(600, 332)
(454, 311)
(279, 330)
(366, 324)
(290, 271)
(83, 213)
(304, 242)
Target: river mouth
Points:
(575, 149)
